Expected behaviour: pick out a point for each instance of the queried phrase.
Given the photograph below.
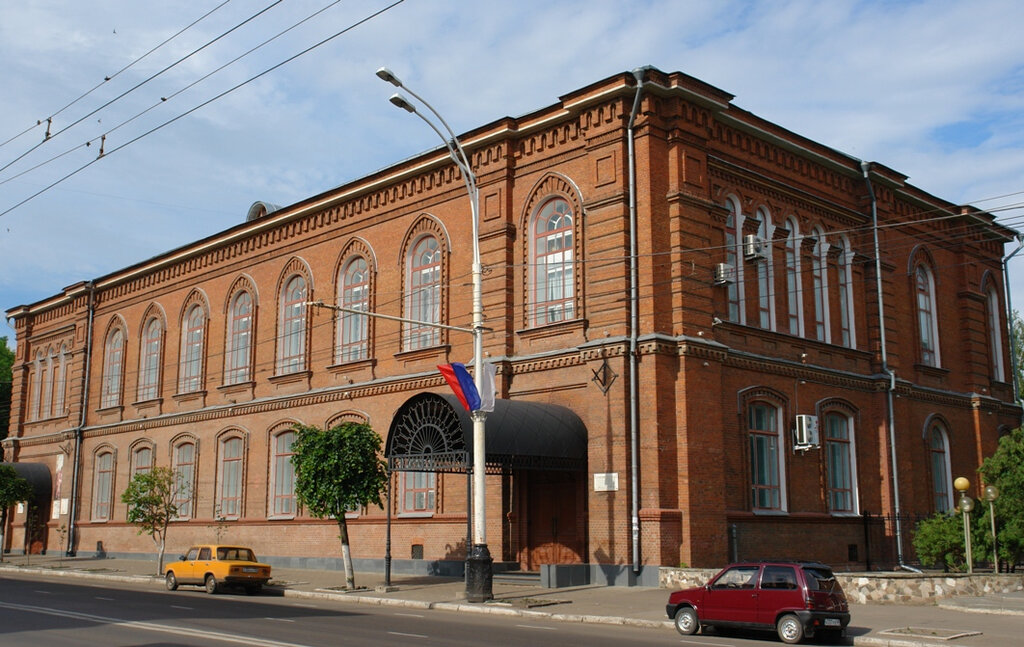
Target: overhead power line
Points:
(203, 104)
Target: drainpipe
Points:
(76, 467)
(891, 418)
(1009, 319)
(634, 317)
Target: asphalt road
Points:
(49, 612)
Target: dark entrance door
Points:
(554, 524)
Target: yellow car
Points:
(214, 566)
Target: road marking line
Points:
(105, 599)
(538, 627)
(151, 626)
(43, 592)
(280, 619)
(399, 633)
(410, 615)
(174, 606)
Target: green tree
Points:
(336, 471)
(13, 489)
(151, 507)
(939, 541)
(6, 377)
(1005, 470)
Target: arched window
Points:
(822, 331)
(47, 381)
(765, 273)
(353, 329)
(554, 294)
(938, 445)
(846, 300)
(733, 236)
(794, 283)
(283, 475)
(184, 478)
(995, 333)
(841, 468)
(103, 485)
(927, 324)
(37, 385)
(150, 360)
(60, 381)
(191, 375)
(424, 294)
(142, 460)
(291, 354)
(766, 458)
(229, 494)
(238, 367)
(113, 368)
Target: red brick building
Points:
(748, 371)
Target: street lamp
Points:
(965, 506)
(991, 494)
(479, 564)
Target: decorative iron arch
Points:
(431, 432)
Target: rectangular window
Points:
(240, 341)
(764, 458)
(231, 478)
(418, 492)
(104, 486)
(840, 470)
(184, 475)
(284, 475)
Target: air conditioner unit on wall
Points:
(753, 247)
(805, 435)
(724, 273)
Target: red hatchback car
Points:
(796, 599)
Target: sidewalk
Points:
(990, 621)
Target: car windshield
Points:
(821, 579)
(235, 554)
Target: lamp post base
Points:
(479, 574)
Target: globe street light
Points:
(966, 505)
(479, 564)
(991, 494)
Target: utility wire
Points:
(205, 103)
(172, 95)
(144, 82)
(115, 75)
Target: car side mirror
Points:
(181, 558)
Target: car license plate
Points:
(831, 622)
(252, 569)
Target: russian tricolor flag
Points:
(465, 389)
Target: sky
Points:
(933, 89)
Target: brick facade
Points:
(701, 363)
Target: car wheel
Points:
(686, 621)
(171, 581)
(791, 631)
(211, 584)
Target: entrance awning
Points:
(38, 476)
(432, 432)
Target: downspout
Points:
(634, 318)
(76, 467)
(1009, 319)
(891, 419)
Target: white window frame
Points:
(995, 333)
(151, 352)
(282, 477)
(291, 353)
(932, 430)
(794, 280)
(238, 364)
(553, 283)
(779, 463)
(353, 336)
(927, 315)
(850, 445)
(423, 293)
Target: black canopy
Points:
(432, 432)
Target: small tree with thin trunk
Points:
(13, 489)
(337, 471)
(151, 507)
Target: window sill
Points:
(936, 371)
(414, 515)
(288, 378)
(771, 513)
(570, 326)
